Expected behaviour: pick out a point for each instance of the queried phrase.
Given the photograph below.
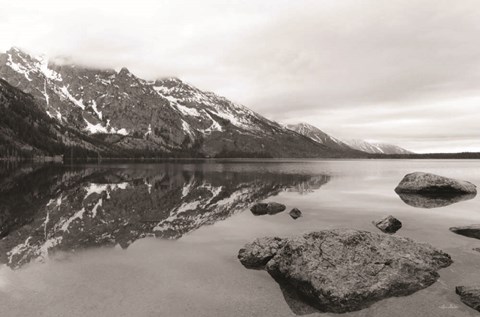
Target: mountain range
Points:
(369, 147)
(50, 109)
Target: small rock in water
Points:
(472, 231)
(346, 270)
(476, 249)
(270, 208)
(470, 296)
(295, 213)
(388, 224)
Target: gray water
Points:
(162, 239)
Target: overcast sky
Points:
(404, 72)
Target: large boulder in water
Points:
(347, 270)
(469, 296)
(270, 208)
(434, 185)
(426, 190)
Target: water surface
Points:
(162, 239)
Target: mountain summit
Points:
(127, 115)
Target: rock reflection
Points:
(433, 201)
(48, 209)
(472, 231)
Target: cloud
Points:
(396, 71)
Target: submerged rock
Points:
(472, 231)
(388, 224)
(295, 213)
(470, 296)
(435, 185)
(346, 270)
(426, 190)
(270, 208)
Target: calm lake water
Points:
(162, 239)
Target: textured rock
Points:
(347, 270)
(388, 224)
(434, 185)
(270, 208)
(470, 296)
(472, 231)
(295, 213)
(258, 253)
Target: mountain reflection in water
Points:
(53, 208)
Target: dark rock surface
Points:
(346, 270)
(470, 296)
(270, 208)
(472, 231)
(388, 224)
(295, 213)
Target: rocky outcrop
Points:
(434, 185)
(295, 213)
(270, 208)
(388, 224)
(470, 296)
(472, 231)
(346, 270)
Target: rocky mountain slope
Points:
(26, 130)
(321, 137)
(151, 117)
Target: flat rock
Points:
(469, 295)
(295, 213)
(388, 224)
(472, 231)
(434, 185)
(346, 270)
(270, 208)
